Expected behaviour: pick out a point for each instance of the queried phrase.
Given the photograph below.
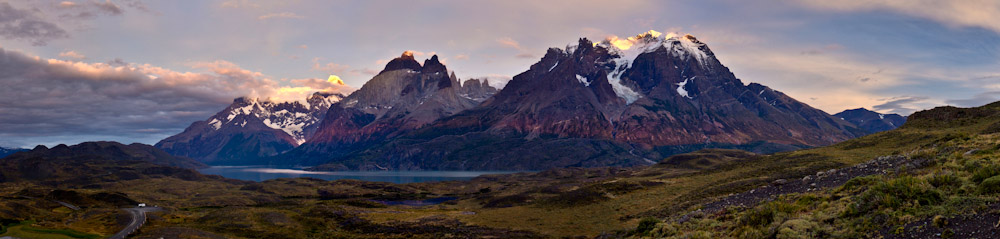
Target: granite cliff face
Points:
(477, 90)
(404, 96)
(616, 102)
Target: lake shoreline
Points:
(263, 173)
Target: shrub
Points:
(894, 194)
(798, 228)
(990, 185)
(764, 215)
(985, 172)
(939, 221)
(971, 165)
(646, 225)
(808, 199)
(860, 182)
(947, 179)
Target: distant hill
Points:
(8, 151)
(872, 121)
(104, 150)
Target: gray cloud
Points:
(18, 24)
(108, 7)
(71, 12)
(977, 100)
(526, 56)
(902, 105)
(982, 14)
(45, 100)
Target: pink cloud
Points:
(329, 67)
(509, 42)
(280, 15)
(72, 55)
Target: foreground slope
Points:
(618, 102)
(942, 181)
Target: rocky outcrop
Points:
(477, 90)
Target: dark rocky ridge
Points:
(105, 151)
(403, 62)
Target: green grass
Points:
(954, 183)
(24, 230)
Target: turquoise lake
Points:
(261, 173)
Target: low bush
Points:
(798, 228)
(646, 225)
(939, 221)
(766, 214)
(858, 183)
(894, 194)
(945, 180)
(985, 172)
(990, 185)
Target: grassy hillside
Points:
(948, 187)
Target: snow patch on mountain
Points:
(681, 90)
(216, 124)
(583, 80)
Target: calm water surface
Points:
(261, 173)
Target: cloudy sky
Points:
(139, 71)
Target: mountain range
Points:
(405, 95)
(250, 129)
(618, 102)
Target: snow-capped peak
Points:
(630, 48)
(626, 50)
(291, 117)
